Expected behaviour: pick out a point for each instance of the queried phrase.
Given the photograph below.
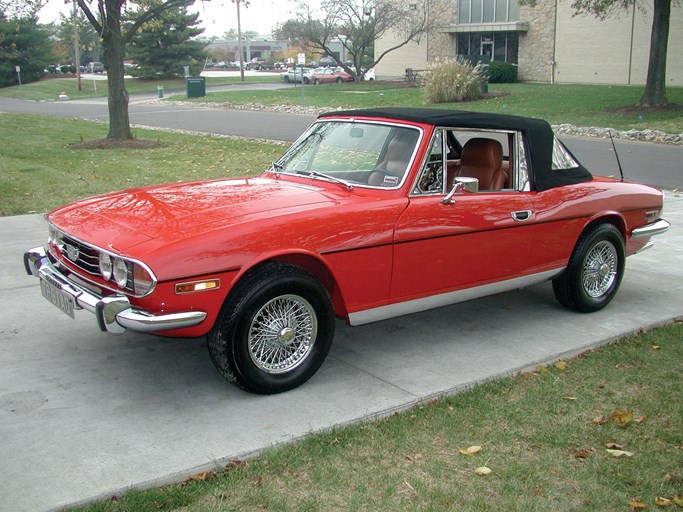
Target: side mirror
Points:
(460, 185)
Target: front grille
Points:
(87, 259)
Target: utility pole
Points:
(239, 34)
(77, 46)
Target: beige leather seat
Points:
(483, 159)
(393, 166)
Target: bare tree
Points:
(107, 19)
(356, 24)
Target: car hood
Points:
(120, 220)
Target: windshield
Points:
(371, 154)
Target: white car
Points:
(295, 74)
(369, 75)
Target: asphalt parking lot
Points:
(84, 415)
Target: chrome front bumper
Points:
(656, 228)
(114, 314)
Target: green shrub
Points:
(502, 72)
(452, 81)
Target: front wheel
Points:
(274, 331)
(316, 82)
(594, 272)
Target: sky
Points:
(217, 16)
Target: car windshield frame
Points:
(351, 150)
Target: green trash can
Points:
(196, 86)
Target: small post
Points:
(160, 91)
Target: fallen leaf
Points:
(583, 453)
(541, 369)
(613, 446)
(200, 476)
(663, 502)
(656, 347)
(619, 453)
(641, 420)
(621, 417)
(678, 500)
(570, 398)
(637, 505)
(482, 471)
(599, 420)
(473, 449)
(560, 365)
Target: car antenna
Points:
(621, 171)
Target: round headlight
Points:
(120, 272)
(105, 266)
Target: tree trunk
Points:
(655, 86)
(114, 53)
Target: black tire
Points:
(339, 79)
(247, 350)
(316, 82)
(286, 79)
(594, 272)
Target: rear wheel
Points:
(339, 79)
(595, 270)
(316, 82)
(274, 331)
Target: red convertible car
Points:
(371, 214)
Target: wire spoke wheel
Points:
(282, 334)
(600, 269)
(594, 270)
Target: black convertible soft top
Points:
(537, 133)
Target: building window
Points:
(487, 11)
(496, 45)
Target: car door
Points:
(471, 240)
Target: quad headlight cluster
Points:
(129, 276)
(125, 274)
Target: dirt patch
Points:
(634, 110)
(118, 144)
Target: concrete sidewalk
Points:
(84, 415)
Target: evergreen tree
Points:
(163, 46)
(23, 43)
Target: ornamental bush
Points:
(452, 81)
(502, 72)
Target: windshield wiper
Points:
(276, 168)
(333, 179)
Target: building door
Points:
(487, 46)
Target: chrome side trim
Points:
(114, 314)
(656, 228)
(445, 299)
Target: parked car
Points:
(327, 61)
(295, 75)
(371, 214)
(330, 75)
(369, 75)
(96, 67)
(258, 64)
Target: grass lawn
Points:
(581, 105)
(50, 88)
(41, 171)
(553, 439)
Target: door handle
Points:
(522, 215)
